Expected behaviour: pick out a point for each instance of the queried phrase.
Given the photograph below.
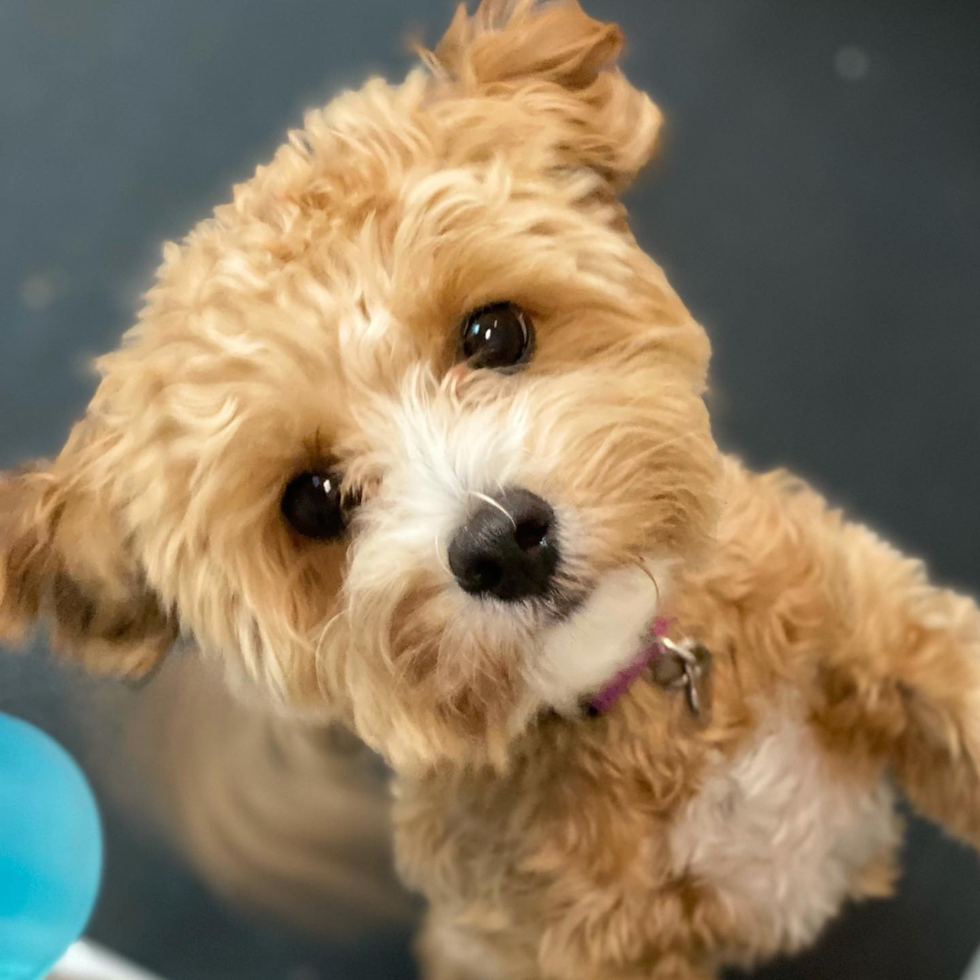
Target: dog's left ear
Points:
(64, 559)
(565, 62)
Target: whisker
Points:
(443, 564)
(494, 503)
(317, 650)
(642, 566)
(399, 671)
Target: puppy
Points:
(410, 436)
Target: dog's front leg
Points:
(668, 967)
(447, 953)
(672, 968)
(905, 684)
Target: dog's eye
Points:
(314, 505)
(499, 336)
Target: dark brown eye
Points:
(500, 336)
(314, 505)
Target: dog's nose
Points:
(508, 548)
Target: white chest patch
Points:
(779, 835)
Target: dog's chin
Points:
(598, 637)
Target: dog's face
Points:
(411, 432)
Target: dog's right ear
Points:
(565, 65)
(64, 559)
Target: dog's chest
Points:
(782, 833)
(776, 833)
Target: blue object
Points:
(50, 851)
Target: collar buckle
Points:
(686, 666)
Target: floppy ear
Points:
(568, 62)
(65, 560)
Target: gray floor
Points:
(817, 203)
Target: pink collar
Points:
(651, 649)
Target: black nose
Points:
(507, 548)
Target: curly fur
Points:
(312, 321)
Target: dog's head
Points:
(409, 433)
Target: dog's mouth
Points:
(594, 633)
(564, 601)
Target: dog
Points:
(411, 437)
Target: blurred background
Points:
(816, 203)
